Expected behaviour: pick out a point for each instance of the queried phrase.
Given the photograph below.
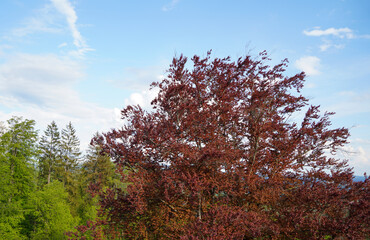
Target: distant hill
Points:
(359, 178)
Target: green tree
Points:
(50, 153)
(68, 168)
(18, 149)
(51, 215)
(98, 167)
(97, 173)
(70, 151)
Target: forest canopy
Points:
(44, 181)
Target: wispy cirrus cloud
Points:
(170, 6)
(43, 20)
(35, 25)
(65, 8)
(53, 18)
(329, 44)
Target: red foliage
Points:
(221, 157)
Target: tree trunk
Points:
(49, 174)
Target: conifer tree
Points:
(70, 148)
(50, 157)
(97, 174)
(98, 167)
(69, 161)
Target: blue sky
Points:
(84, 60)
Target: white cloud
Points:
(143, 98)
(95, 119)
(358, 156)
(139, 78)
(42, 21)
(328, 44)
(170, 6)
(48, 20)
(41, 87)
(366, 36)
(65, 8)
(62, 45)
(325, 47)
(309, 64)
(39, 79)
(4, 47)
(350, 103)
(338, 32)
(34, 25)
(136, 99)
(9, 101)
(360, 141)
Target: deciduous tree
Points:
(18, 149)
(220, 157)
(50, 212)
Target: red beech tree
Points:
(223, 156)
